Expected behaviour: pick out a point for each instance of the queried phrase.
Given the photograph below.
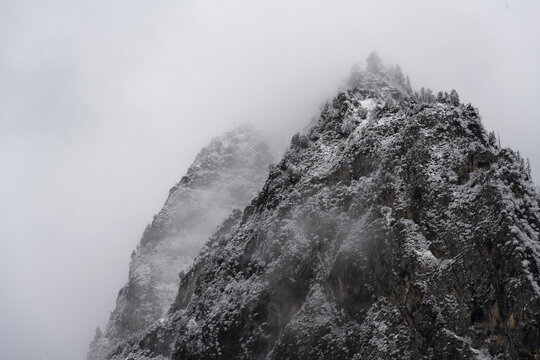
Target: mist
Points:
(103, 106)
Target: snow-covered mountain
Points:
(394, 227)
(225, 175)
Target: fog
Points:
(103, 105)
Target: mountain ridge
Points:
(224, 176)
(393, 227)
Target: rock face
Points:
(225, 175)
(392, 228)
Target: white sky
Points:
(103, 106)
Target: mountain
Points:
(225, 175)
(393, 227)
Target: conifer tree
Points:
(492, 139)
(408, 85)
(374, 63)
(454, 97)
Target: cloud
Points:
(103, 105)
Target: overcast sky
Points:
(104, 104)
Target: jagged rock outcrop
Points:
(225, 175)
(392, 228)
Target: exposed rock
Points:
(406, 236)
(225, 175)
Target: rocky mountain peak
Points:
(393, 227)
(225, 175)
(379, 80)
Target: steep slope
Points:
(225, 175)
(393, 228)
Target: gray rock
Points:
(225, 175)
(407, 236)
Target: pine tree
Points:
(440, 97)
(426, 95)
(492, 139)
(398, 76)
(454, 97)
(374, 63)
(408, 85)
(422, 93)
(429, 96)
(98, 334)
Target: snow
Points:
(225, 175)
(369, 104)
(364, 236)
